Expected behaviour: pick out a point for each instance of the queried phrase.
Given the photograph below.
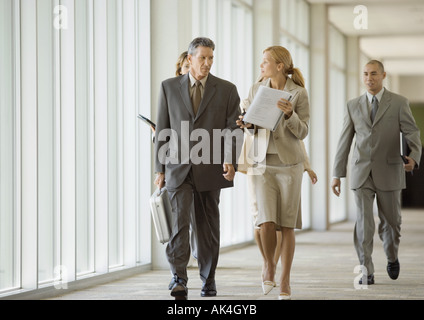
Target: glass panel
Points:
(115, 213)
(46, 133)
(144, 235)
(7, 167)
(43, 238)
(295, 38)
(236, 221)
(83, 140)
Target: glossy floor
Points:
(324, 267)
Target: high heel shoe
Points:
(267, 286)
(284, 296)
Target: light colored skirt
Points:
(278, 192)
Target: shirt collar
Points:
(378, 95)
(193, 80)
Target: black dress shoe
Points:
(208, 290)
(370, 279)
(179, 289)
(393, 269)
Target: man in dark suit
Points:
(376, 119)
(197, 140)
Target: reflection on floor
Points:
(323, 268)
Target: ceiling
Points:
(395, 33)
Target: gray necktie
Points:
(197, 97)
(374, 108)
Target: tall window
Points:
(229, 23)
(8, 153)
(72, 193)
(294, 35)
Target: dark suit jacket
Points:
(200, 143)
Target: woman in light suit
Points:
(278, 178)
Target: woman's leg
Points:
(257, 235)
(287, 254)
(278, 248)
(269, 243)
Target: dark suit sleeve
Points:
(234, 137)
(162, 124)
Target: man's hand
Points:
(335, 185)
(410, 165)
(160, 180)
(229, 171)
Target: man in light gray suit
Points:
(195, 155)
(376, 120)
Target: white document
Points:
(263, 111)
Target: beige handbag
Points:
(243, 161)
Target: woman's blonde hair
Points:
(180, 63)
(282, 55)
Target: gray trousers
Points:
(389, 212)
(204, 227)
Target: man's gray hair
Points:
(200, 42)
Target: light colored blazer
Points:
(377, 146)
(288, 135)
(219, 110)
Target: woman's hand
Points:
(312, 175)
(243, 125)
(285, 106)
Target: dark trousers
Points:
(205, 230)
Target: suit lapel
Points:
(363, 106)
(291, 87)
(383, 105)
(208, 94)
(185, 94)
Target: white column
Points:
(354, 80)
(319, 116)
